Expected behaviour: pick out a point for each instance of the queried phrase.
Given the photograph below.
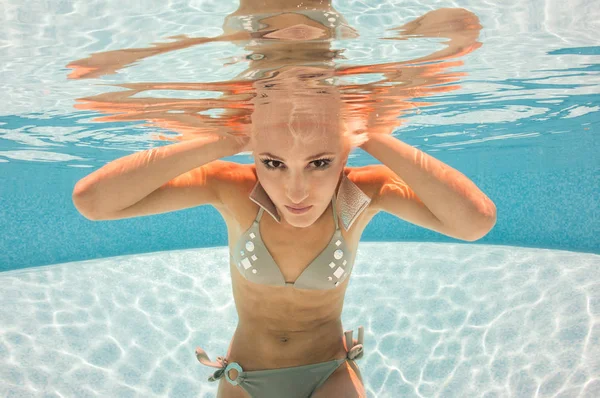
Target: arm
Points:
(427, 192)
(109, 62)
(461, 27)
(416, 78)
(154, 181)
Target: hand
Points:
(244, 142)
(356, 131)
(240, 143)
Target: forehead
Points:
(296, 121)
(289, 141)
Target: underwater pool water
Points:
(116, 308)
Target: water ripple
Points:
(440, 320)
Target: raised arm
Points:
(379, 104)
(461, 27)
(109, 62)
(157, 180)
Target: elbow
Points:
(486, 221)
(485, 227)
(80, 207)
(82, 203)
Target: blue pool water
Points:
(116, 308)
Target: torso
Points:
(284, 326)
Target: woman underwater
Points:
(294, 217)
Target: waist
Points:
(257, 348)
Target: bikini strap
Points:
(335, 215)
(259, 215)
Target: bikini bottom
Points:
(292, 382)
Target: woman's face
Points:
(299, 153)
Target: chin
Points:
(300, 224)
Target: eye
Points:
(273, 164)
(311, 76)
(271, 167)
(324, 163)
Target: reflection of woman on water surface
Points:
(295, 216)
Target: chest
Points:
(294, 251)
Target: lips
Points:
(298, 210)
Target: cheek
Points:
(330, 176)
(264, 176)
(271, 181)
(324, 185)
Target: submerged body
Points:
(286, 326)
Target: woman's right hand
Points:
(241, 143)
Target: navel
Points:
(283, 337)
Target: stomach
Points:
(284, 326)
(257, 349)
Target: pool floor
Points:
(447, 320)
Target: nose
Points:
(296, 188)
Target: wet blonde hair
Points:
(294, 104)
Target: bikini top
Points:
(330, 268)
(335, 23)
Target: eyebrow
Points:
(318, 155)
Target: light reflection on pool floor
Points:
(447, 320)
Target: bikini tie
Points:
(221, 363)
(356, 352)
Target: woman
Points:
(294, 220)
(288, 296)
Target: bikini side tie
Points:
(356, 352)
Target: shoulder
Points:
(231, 177)
(233, 183)
(368, 178)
